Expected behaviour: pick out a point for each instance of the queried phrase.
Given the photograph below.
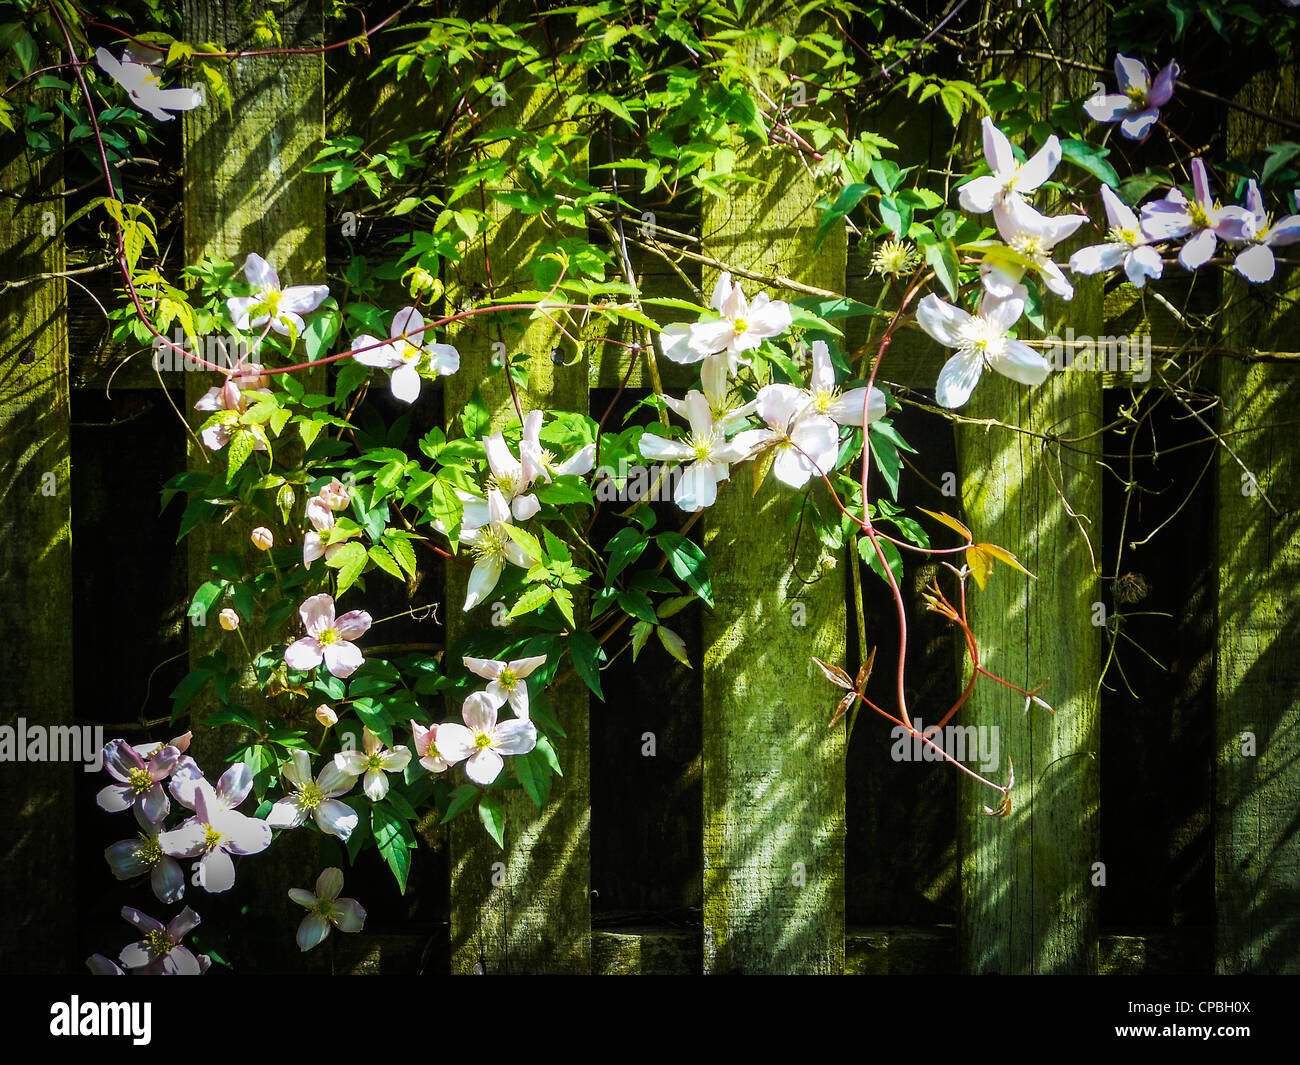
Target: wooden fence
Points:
(754, 839)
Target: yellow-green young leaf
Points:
(640, 633)
(761, 464)
(349, 560)
(949, 521)
(242, 443)
(981, 565)
(536, 596)
(259, 412)
(309, 430)
(564, 600)
(1003, 555)
(278, 419)
(674, 645)
(384, 561)
(525, 540)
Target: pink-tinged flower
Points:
(1206, 222)
(426, 747)
(140, 781)
(160, 952)
(317, 798)
(148, 750)
(980, 340)
(483, 528)
(509, 477)
(406, 354)
(1010, 180)
(509, 679)
(1129, 246)
(482, 742)
(1255, 228)
(130, 858)
(538, 461)
(227, 397)
(328, 639)
(262, 538)
(231, 790)
(282, 308)
(1136, 106)
(321, 515)
(335, 495)
(228, 620)
(326, 716)
(706, 451)
(373, 764)
(1032, 236)
(142, 85)
(212, 835)
(806, 444)
(741, 327)
(327, 909)
(102, 966)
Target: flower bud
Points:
(262, 538)
(335, 495)
(421, 281)
(326, 716)
(229, 620)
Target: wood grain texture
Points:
(538, 918)
(773, 773)
(35, 563)
(1028, 900)
(1257, 845)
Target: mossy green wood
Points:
(527, 908)
(773, 773)
(35, 563)
(1257, 732)
(245, 191)
(1029, 903)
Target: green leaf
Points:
(395, 841)
(400, 546)
(534, 598)
(461, 799)
(624, 548)
(674, 645)
(531, 771)
(493, 817)
(848, 199)
(688, 562)
(349, 560)
(474, 419)
(384, 561)
(1092, 158)
(526, 541)
(587, 656)
(942, 258)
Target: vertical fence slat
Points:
(1257, 735)
(35, 561)
(1028, 904)
(245, 191)
(773, 774)
(535, 916)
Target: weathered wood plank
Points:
(535, 916)
(245, 191)
(1257, 736)
(1028, 903)
(773, 773)
(35, 563)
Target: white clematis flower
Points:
(283, 308)
(482, 741)
(980, 340)
(742, 327)
(317, 798)
(824, 398)
(511, 477)
(212, 835)
(373, 764)
(327, 909)
(706, 452)
(806, 443)
(1255, 228)
(714, 378)
(141, 83)
(406, 353)
(1010, 180)
(1129, 245)
(538, 461)
(509, 679)
(1032, 236)
(483, 528)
